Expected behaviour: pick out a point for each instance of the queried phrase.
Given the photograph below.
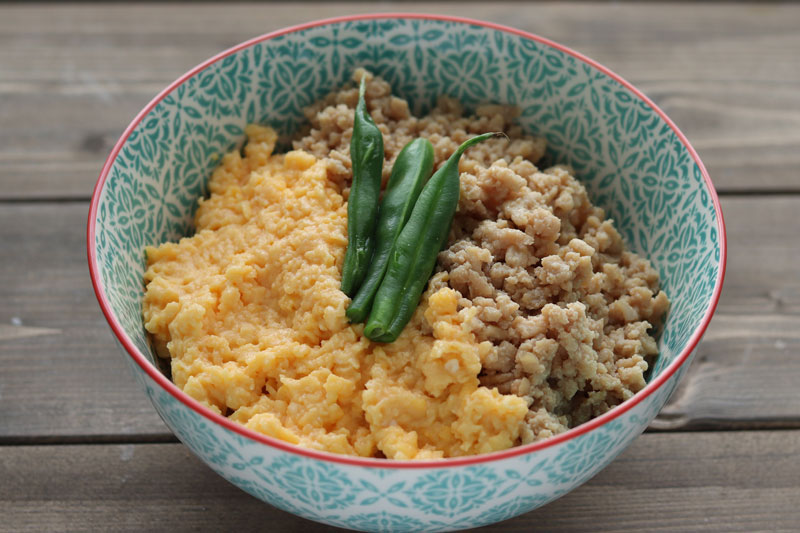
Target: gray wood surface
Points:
(81, 448)
(751, 346)
(714, 481)
(72, 77)
(61, 373)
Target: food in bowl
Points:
(536, 320)
(655, 188)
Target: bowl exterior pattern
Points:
(629, 158)
(392, 499)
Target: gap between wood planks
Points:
(169, 438)
(48, 200)
(87, 199)
(88, 440)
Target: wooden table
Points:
(81, 448)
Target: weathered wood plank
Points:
(744, 373)
(61, 373)
(728, 481)
(72, 77)
(744, 376)
(64, 379)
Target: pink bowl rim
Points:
(192, 404)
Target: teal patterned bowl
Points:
(634, 161)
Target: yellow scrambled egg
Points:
(250, 312)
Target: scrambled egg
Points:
(250, 312)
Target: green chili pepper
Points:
(414, 254)
(366, 155)
(411, 170)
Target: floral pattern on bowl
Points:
(633, 161)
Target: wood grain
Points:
(726, 481)
(72, 383)
(72, 77)
(745, 371)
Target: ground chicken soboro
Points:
(535, 321)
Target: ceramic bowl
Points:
(632, 158)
